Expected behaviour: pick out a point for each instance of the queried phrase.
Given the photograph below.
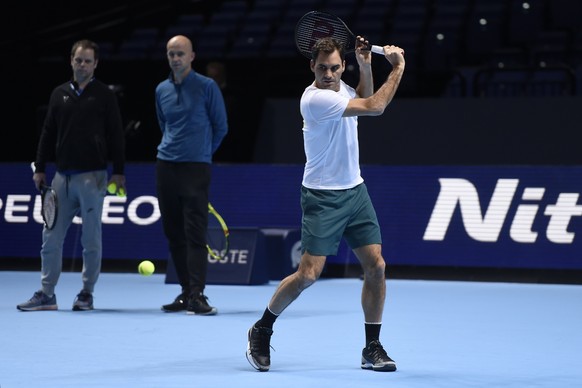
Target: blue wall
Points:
(480, 216)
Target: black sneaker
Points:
(179, 304)
(39, 302)
(83, 301)
(374, 357)
(198, 304)
(259, 348)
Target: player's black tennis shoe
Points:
(179, 304)
(375, 357)
(198, 304)
(259, 348)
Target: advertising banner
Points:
(463, 216)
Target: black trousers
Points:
(182, 190)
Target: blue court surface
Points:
(441, 334)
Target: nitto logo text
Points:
(486, 227)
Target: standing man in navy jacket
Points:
(82, 131)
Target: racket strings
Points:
(313, 27)
(49, 208)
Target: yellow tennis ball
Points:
(112, 188)
(146, 268)
(121, 192)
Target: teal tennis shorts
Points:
(329, 215)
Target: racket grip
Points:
(378, 49)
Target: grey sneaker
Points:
(374, 357)
(39, 302)
(259, 348)
(83, 301)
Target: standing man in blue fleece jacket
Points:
(192, 116)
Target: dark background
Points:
(526, 53)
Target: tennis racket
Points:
(50, 206)
(315, 25)
(49, 203)
(217, 235)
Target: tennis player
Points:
(334, 198)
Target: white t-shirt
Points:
(330, 140)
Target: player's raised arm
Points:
(365, 86)
(377, 102)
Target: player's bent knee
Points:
(376, 268)
(307, 277)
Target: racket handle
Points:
(378, 49)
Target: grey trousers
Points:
(83, 195)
